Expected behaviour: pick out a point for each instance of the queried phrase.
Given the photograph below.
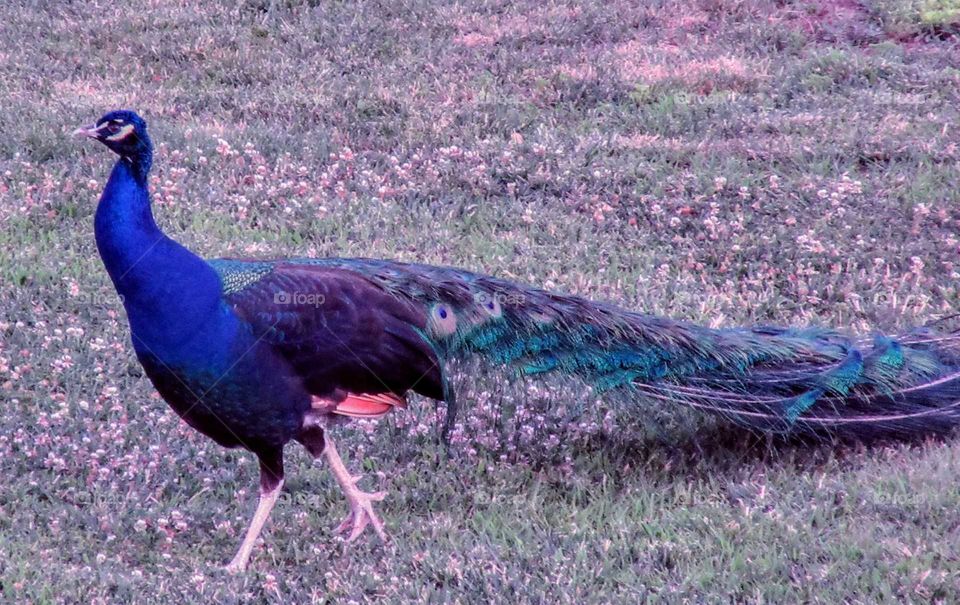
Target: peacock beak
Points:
(92, 131)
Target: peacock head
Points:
(124, 132)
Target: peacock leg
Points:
(271, 480)
(361, 503)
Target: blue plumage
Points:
(257, 353)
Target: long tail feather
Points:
(775, 379)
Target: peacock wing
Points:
(341, 331)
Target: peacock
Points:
(258, 353)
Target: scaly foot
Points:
(361, 512)
(361, 503)
(234, 567)
(271, 480)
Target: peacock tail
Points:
(808, 381)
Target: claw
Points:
(362, 514)
(361, 502)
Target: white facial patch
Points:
(121, 134)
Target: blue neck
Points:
(124, 225)
(167, 290)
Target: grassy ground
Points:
(721, 161)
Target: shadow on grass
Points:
(714, 449)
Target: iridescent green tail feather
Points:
(776, 379)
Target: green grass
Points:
(723, 162)
(921, 18)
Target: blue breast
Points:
(204, 360)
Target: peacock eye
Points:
(113, 127)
